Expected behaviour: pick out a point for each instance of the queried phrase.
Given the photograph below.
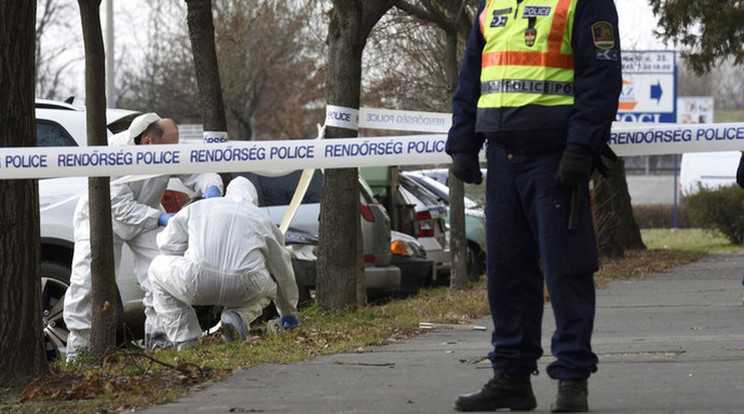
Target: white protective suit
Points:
(221, 251)
(135, 209)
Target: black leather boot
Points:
(571, 396)
(512, 391)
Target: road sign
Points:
(649, 87)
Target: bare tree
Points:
(340, 280)
(452, 19)
(53, 62)
(20, 302)
(163, 79)
(103, 283)
(268, 91)
(616, 226)
(201, 32)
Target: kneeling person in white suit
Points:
(222, 251)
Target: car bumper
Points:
(382, 280)
(415, 272)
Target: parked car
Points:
(430, 227)
(709, 170)
(416, 212)
(442, 174)
(387, 273)
(415, 267)
(475, 222)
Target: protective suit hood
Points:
(241, 189)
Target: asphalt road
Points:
(669, 343)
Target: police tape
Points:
(394, 120)
(659, 139)
(272, 156)
(234, 156)
(398, 120)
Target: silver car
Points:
(275, 193)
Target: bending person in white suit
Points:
(222, 251)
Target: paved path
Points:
(667, 343)
(651, 189)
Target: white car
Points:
(64, 124)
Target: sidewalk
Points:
(667, 343)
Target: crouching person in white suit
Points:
(222, 251)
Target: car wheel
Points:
(55, 279)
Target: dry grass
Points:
(134, 380)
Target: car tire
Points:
(55, 279)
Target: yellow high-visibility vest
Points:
(527, 60)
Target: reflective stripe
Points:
(550, 60)
(482, 17)
(527, 86)
(558, 28)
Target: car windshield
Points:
(441, 190)
(278, 191)
(420, 192)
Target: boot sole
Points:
(511, 404)
(574, 409)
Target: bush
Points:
(721, 210)
(661, 216)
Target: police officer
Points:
(539, 84)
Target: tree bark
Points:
(340, 280)
(617, 229)
(103, 281)
(201, 33)
(22, 344)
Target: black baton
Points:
(573, 217)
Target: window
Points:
(50, 134)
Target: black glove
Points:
(740, 172)
(467, 169)
(599, 165)
(575, 167)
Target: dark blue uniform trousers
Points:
(527, 214)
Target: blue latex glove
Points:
(211, 191)
(289, 322)
(163, 219)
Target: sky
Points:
(636, 25)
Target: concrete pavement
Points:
(667, 343)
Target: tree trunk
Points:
(22, 343)
(617, 229)
(340, 280)
(458, 241)
(103, 281)
(201, 33)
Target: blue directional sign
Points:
(649, 87)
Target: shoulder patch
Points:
(606, 54)
(604, 36)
